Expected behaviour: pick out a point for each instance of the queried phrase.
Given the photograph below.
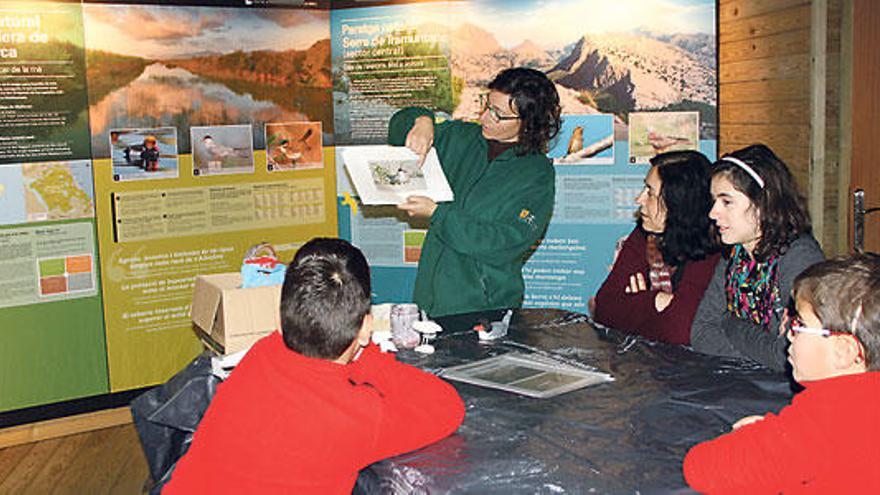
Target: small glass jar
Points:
(402, 318)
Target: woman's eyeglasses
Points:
(493, 112)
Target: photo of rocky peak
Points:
(640, 72)
(617, 72)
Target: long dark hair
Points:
(537, 103)
(689, 234)
(781, 210)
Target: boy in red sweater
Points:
(828, 439)
(307, 408)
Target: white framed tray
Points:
(531, 375)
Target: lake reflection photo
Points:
(186, 67)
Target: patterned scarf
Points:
(659, 273)
(752, 288)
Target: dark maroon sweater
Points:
(636, 313)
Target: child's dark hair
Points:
(537, 103)
(845, 294)
(325, 297)
(689, 233)
(781, 210)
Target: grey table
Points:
(626, 436)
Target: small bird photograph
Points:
(584, 140)
(652, 133)
(144, 153)
(294, 146)
(226, 149)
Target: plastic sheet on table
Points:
(625, 436)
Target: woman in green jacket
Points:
(503, 183)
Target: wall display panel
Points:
(51, 327)
(386, 58)
(145, 142)
(208, 132)
(42, 86)
(607, 67)
(205, 66)
(392, 281)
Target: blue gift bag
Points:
(261, 267)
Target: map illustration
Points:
(37, 192)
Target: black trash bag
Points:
(166, 416)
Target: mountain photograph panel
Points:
(615, 58)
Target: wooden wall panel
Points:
(768, 91)
(729, 10)
(771, 134)
(776, 45)
(833, 237)
(777, 21)
(785, 67)
(777, 112)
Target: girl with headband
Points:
(763, 221)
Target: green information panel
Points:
(52, 345)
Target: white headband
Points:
(745, 166)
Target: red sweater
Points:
(636, 313)
(826, 441)
(286, 423)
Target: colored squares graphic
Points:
(53, 285)
(78, 264)
(412, 245)
(79, 281)
(50, 267)
(66, 274)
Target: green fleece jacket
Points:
(476, 245)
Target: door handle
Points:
(859, 213)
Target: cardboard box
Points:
(232, 317)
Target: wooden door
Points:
(865, 164)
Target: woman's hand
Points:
(418, 206)
(662, 300)
(636, 284)
(747, 421)
(421, 137)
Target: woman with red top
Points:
(665, 264)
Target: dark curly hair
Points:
(781, 210)
(689, 234)
(537, 103)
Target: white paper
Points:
(387, 175)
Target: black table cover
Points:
(626, 436)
